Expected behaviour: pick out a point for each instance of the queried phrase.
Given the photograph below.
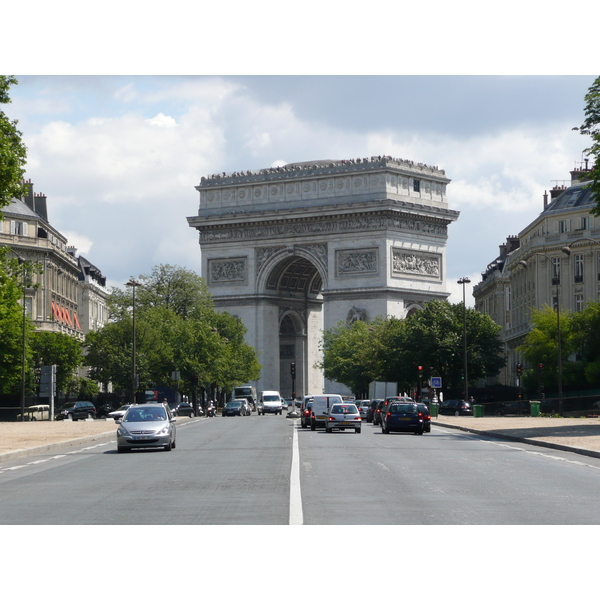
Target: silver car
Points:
(146, 426)
(343, 416)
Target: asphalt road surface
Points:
(268, 471)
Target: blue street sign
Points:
(436, 382)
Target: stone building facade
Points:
(554, 261)
(62, 296)
(297, 249)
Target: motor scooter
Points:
(210, 410)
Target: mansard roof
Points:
(576, 196)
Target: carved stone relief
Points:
(362, 261)
(356, 314)
(405, 262)
(227, 270)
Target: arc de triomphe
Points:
(294, 250)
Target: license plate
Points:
(405, 418)
(347, 422)
(141, 437)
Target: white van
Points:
(320, 409)
(269, 402)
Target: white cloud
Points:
(161, 120)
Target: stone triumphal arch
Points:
(294, 250)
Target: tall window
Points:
(578, 302)
(18, 228)
(563, 226)
(585, 222)
(555, 270)
(416, 185)
(578, 268)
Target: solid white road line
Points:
(296, 517)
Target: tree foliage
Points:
(60, 349)
(391, 349)
(591, 127)
(177, 329)
(13, 153)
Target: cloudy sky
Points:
(119, 156)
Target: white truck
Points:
(382, 389)
(321, 403)
(270, 402)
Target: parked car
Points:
(403, 416)
(103, 410)
(247, 409)
(456, 408)
(184, 409)
(118, 414)
(146, 426)
(38, 412)
(305, 415)
(82, 409)
(232, 409)
(342, 417)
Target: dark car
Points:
(184, 409)
(82, 409)
(305, 415)
(371, 411)
(426, 416)
(377, 412)
(456, 407)
(404, 416)
(232, 409)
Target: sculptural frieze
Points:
(412, 263)
(227, 270)
(353, 262)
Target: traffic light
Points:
(420, 369)
(293, 369)
(519, 369)
(541, 369)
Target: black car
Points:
(426, 416)
(305, 415)
(184, 409)
(456, 407)
(404, 416)
(371, 410)
(82, 409)
(377, 412)
(232, 409)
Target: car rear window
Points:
(403, 408)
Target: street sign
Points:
(48, 381)
(436, 382)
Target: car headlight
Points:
(164, 430)
(122, 432)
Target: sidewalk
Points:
(580, 435)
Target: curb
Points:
(512, 438)
(15, 454)
(54, 446)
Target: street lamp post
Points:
(133, 284)
(463, 281)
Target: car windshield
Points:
(233, 404)
(403, 408)
(339, 409)
(145, 414)
(271, 399)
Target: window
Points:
(563, 226)
(578, 302)
(416, 185)
(578, 268)
(598, 264)
(585, 222)
(555, 270)
(18, 228)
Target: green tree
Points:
(177, 329)
(60, 349)
(13, 153)
(591, 127)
